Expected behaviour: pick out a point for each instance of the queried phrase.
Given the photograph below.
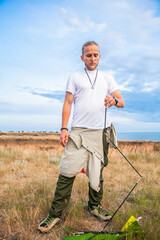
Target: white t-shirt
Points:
(89, 109)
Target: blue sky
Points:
(40, 46)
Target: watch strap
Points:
(115, 101)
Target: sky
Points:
(40, 46)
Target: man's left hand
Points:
(109, 101)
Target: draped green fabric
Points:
(130, 229)
(98, 237)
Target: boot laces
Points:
(101, 211)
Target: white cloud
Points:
(75, 25)
(63, 10)
(30, 122)
(150, 86)
(67, 22)
(74, 22)
(124, 87)
(124, 81)
(125, 84)
(89, 25)
(130, 123)
(132, 38)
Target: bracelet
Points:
(64, 128)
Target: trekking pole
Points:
(124, 156)
(130, 165)
(121, 205)
(95, 234)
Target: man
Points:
(85, 148)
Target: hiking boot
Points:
(99, 213)
(48, 223)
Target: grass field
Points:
(28, 179)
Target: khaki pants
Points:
(64, 189)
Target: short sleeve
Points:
(71, 86)
(112, 85)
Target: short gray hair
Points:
(88, 44)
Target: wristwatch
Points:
(116, 101)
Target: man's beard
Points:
(91, 68)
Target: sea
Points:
(144, 136)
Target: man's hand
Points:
(64, 137)
(109, 101)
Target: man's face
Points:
(91, 57)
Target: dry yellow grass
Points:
(28, 180)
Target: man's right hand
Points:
(64, 137)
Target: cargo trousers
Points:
(64, 188)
